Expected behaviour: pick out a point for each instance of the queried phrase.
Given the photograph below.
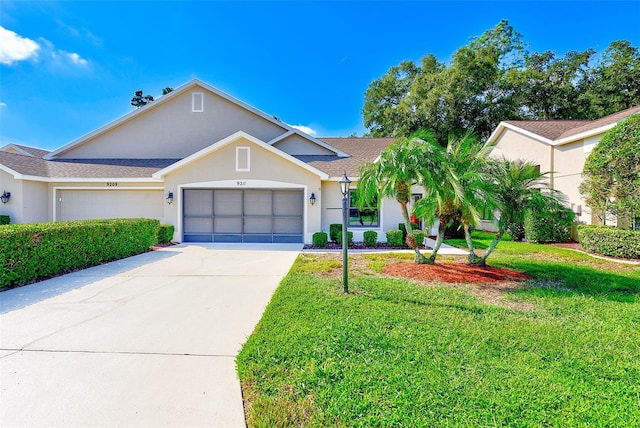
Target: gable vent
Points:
(197, 102)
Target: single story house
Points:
(217, 169)
(560, 147)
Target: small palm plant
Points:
(405, 163)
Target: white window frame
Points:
(246, 155)
(197, 102)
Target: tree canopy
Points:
(612, 171)
(495, 78)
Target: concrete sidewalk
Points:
(146, 341)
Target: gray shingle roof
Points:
(361, 150)
(558, 129)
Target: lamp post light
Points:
(344, 188)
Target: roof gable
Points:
(558, 132)
(240, 135)
(172, 127)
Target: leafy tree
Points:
(140, 100)
(166, 90)
(493, 78)
(612, 171)
(470, 95)
(614, 84)
(462, 189)
(551, 88)
(401, 165)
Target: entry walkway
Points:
(146, 341)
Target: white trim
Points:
(17, 149)
(194, 107)
(585, 134)
(246, 156)
(57, 188)
(159, 175)
(519, 130)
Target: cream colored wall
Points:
(171, 130)
(35, 203)
(513, 145)
(296, 145)
(268, 170)
(13, 208)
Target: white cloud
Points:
(58, 57)
(14, 48)
(306, 130)
(75, 58)
(3, 105)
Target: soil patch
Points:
(460, 273)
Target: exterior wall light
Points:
(345, 183)
(170, 198)
(312, 198)
(5, 197)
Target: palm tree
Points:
(401, 165)
(462, 189)
(516, 185)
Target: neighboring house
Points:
(561, 147)
(214, 167)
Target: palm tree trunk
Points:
(482, 261)
(473, 257)
(442, 227)
(411, 240)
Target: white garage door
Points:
(248, 215)
(93, 204)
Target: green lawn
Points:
(561, 350)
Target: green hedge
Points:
(610, 241)
(349, 237)
(394, 237)
(334, 229)
(5, 219)
(320, 239)
(370, 238)
(548, 222)
(165, 233)
(34, 251)
(419, 235)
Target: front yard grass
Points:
(560, 350)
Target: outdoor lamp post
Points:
(344, 188)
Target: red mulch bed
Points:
(454, 273)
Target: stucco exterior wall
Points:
(13, 208)
(513, 145)
(267, 170)
(172, 130)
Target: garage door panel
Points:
(102, 203)
(198, 203)
(227, 202)
(247, 215)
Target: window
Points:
(243, 158)
(197, 102)
(367, 217)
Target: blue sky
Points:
(69, 67)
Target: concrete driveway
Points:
(148, 341)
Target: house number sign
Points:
(242, 183)
(111, 184)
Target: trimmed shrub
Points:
(610, 241)
(334, 229)
(34, 251)
(548, 222)
(370, 238)
(419, 235)
(165, 233)
(320, 239)
(394, 237)
(404, 229)
(349, 237)
(5, 219)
